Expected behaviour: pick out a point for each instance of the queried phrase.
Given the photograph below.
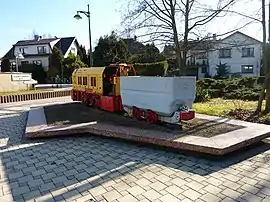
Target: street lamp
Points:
(78, 17)
(18, 56)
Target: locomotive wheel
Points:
(151, 116)
(136, 113)
(86, 101)
(91, 102)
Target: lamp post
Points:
(78, 17)
(17, 57)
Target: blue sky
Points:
(55, 17)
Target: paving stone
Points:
(210, 197)
(249, 181)
(30, 195)
(232, 185)
(266, 199)
(251, 197)
(136, 190)
(97, 191)
(20, 190)
(169, 198)
(174, 190)
(231, 193)
(15, 175)
(34, 183)
(179, 182)
(195, 185)
(191, 194)
(163, 175)
(112, 195)
(151, 195)
(158, 186)
(249, 188)
(127, 198)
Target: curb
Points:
(33, 96)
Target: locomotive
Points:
(116, 88)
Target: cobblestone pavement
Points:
(89, 168)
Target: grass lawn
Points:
(237, 109)
(219, 107)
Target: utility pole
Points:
(269, 22)
(87, 14)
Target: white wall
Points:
(32, 49)
(72, 46)
(236, 60)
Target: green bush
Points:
(248, 82)
(37, 71)
(202, 95)
(260, 80)
(151, 69)
(247, 88)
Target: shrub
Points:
(260, 80)
(37, 71)
(248, 82)
(206, 83)
(236, 75)
(202, 95)
(247, 88)
(151, 69)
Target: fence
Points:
(33, 96)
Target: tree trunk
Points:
(176, 40)
(259, 105)
(185, 43)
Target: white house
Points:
(37, 51)
(241, 53)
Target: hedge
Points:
(151, 69)
(246, 88)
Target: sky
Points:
(55, 17)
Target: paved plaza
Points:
(90, 168)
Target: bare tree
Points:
(265, 87)
(162, 20)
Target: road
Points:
(90, 168)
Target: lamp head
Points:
(77, 16)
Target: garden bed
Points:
(76, 113)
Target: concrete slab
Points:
(216, 145)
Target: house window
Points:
(22, 50)
(41, 49)
(93, 81)
(200, 56)
(204, 70)
(72, 50)
(25, 62)
(225, 53)
(79, 80)
(247, 68)
(37, 62)
(85, 80)
(247, 52)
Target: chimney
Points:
(36, 37)
(214, 37)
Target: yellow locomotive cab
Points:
(100, 86)
(88, 78)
